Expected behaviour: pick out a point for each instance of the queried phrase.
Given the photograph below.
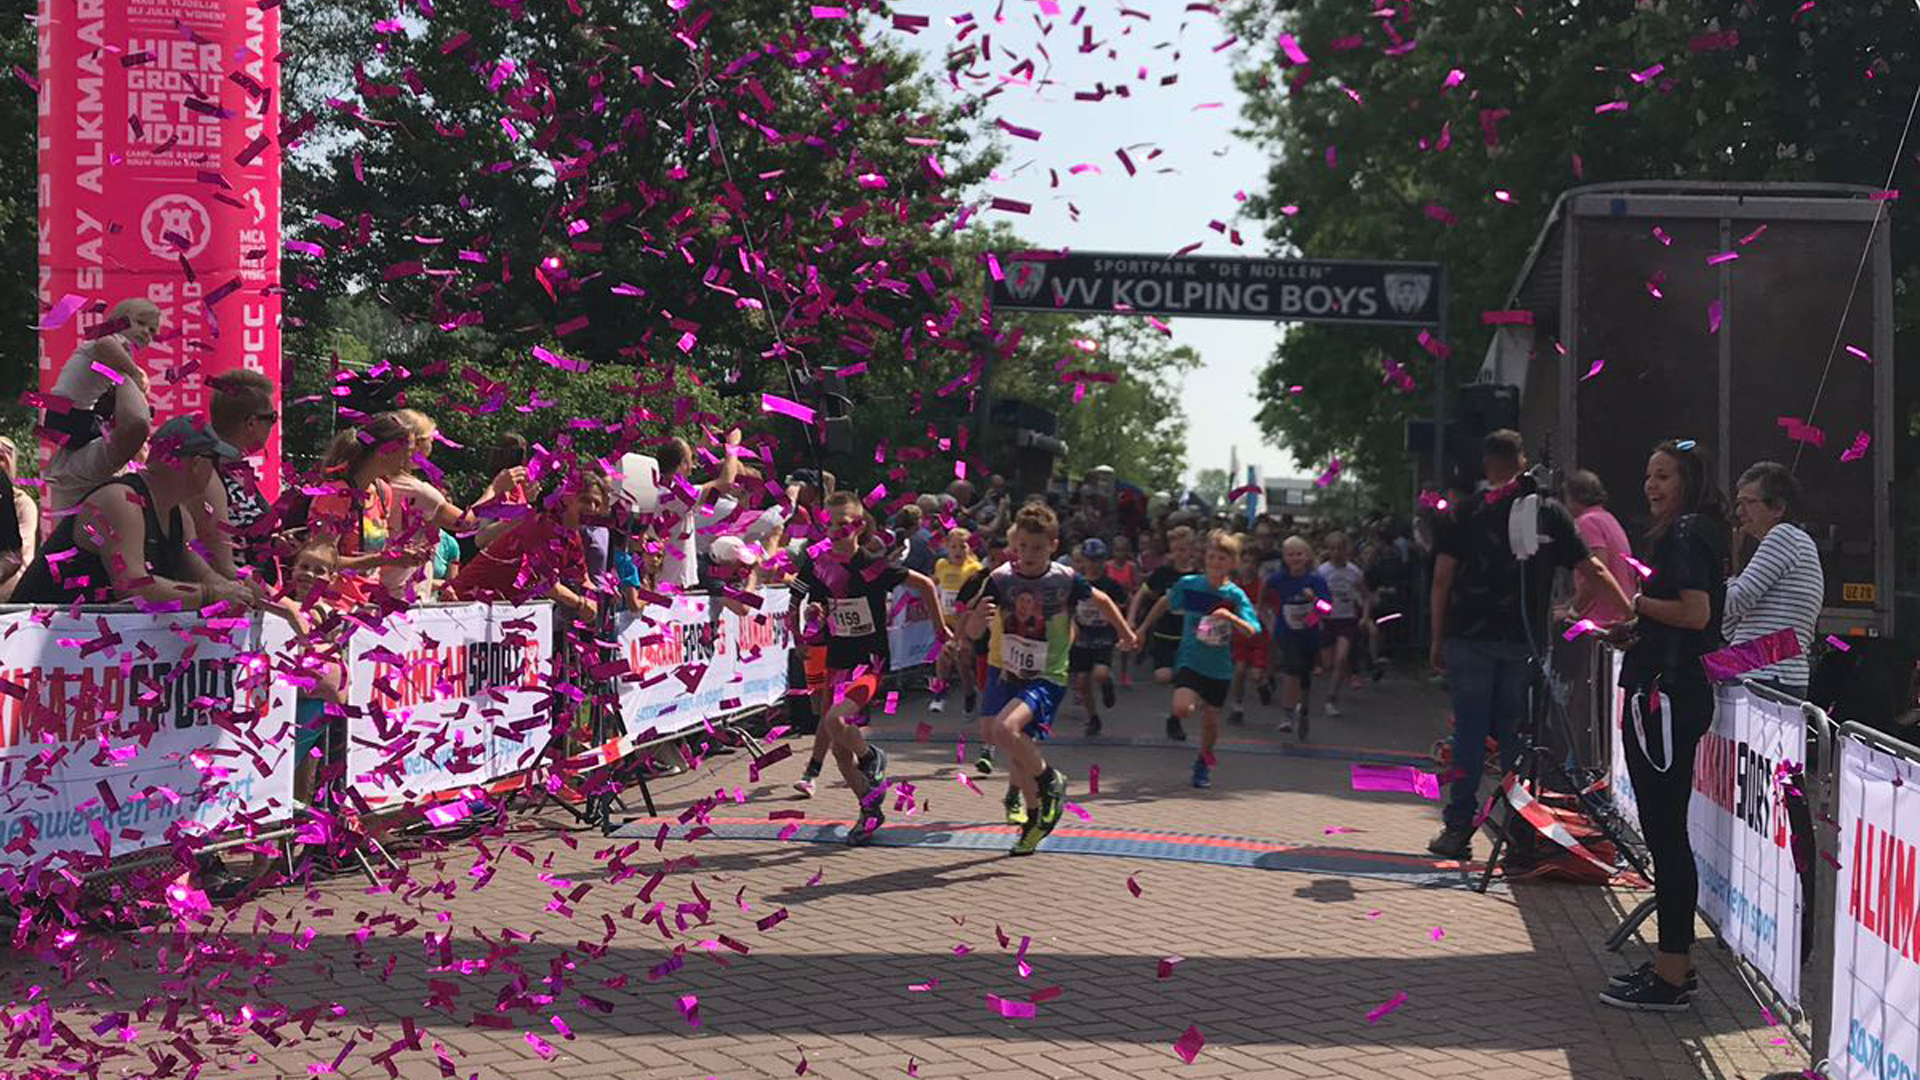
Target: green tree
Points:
(1445, 130)
(627, 184)
(1212, 485)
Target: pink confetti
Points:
(1584, 626)
(1012, 1010)
(1133, 885)
(1858, 450)
(1291, 48)
(1610, 106)
(1438, 933)
(1839, 643)
(1722, 257)
(62, 311)
(1167, 964)
(1335, 830)
(690, 1008)
(1380, 1011)
(1598, 364)
(820, 12)
(1395, 778)
(1713, 316)
(1331, 474)
(1859, 352)
(1189, 1044)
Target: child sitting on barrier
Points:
(306, 602)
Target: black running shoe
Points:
(1175, 731)
(1649, 994)
(1106, 693)
(1094, 726)
(1053, 798)
(1645, 970)
(861, 834)
(973, 700)
(1265, 690)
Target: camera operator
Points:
(1495, 555)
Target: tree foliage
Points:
(1444, 131)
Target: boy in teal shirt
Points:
(1215, 610)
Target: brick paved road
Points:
(885, 957)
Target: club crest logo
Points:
(176, 225)
(1025, 280)
(1407, 293)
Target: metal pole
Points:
(1440, 388)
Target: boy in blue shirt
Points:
(1293, 604)
(1215, 609)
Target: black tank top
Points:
(83, 575)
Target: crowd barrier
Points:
(1806, 835)
(124, 732)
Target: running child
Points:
(1212, 609)
(1126, 572)
(1292, 599)
(1028, 607)
(1352, 605)
(955, 662)
(1249, 651)
(1163, 644)
(1090, 663)
(852, 584)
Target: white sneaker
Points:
(1333, 710)
(938, 704)
(804, 786)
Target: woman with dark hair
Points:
(1782, 586)
(1670, 704)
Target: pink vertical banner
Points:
(160, 178)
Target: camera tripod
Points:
(1533, 759)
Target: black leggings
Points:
(1663, 798)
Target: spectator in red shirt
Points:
(543, 554)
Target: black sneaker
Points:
(871, 818)
(1093, 726)
(1053, 798)
(1454, 842)
(984, 763)
(1301, 722)
(1236, 718)
(1649, 994)
(1645, 971)
(973, 700)
(1175, 731)
(1106, 693)
(874, 769)
(1265, 690)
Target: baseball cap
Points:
(182, 437)
(1093, 548)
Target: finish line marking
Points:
(1266, 749)
(1241, 852)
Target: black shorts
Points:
(1163, 651)
(1211, 690)
(1081, 660)
(1298, 653)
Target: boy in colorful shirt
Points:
(1213, 609)
(852, 586)
(1090, 662)
(1028, 606)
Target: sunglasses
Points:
(270, 416)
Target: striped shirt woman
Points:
(1782, 587)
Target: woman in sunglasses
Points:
(1669, 706)
(238, 523)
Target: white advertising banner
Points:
(1876, 922)
(1737, 822)
(695, 660)
(909, 630)
(447, 696)
(121, 730)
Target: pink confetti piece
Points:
(1331, 474)
(1438, 933)
(1859, 352)
(1335, 830)
(1292, 50)
(1167, 964)
(1093, 779)
(1610, 106)
(1660, 234)
(1645, 571)
(1858, 450)
(1722, 257)
(1582, 627)
(1189, 1044)
(1133, 884)
(1012, 1010)
(690, 1008)
(1713, 316)
(540, 1045)
(1395, 778)
(62, 311)
(1380, 1011)
(1598, 364)
(1839, 643)
(822, 12)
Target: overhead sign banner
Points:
(160, 178)
(1287, 290)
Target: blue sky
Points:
(1167, 204)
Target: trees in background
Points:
(1444, 131)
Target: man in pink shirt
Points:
(1587, 499)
